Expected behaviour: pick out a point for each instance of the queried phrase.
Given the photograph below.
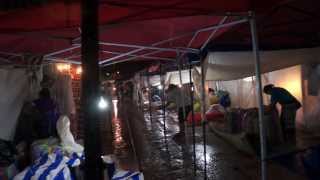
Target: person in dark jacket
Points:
(289, 106)
(49, 115)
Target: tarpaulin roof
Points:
(52, 26)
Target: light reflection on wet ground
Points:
(164, 158)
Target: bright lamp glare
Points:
(79, 70)
(102, 103)
(159, 87)
(62, 67)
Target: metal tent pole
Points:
(203, 115)
(140, 92)
(182, 95)
(90, 86)
(163, 103)
(62, 51)
(149, 95)
(233, 23)
(193, 122)
(132, 142)
(255, 49)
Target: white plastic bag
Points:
(67, 140)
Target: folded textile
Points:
(51, 167)
(68, 142)
(127, 175)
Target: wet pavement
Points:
(149, 145)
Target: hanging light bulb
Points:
(102, 103)
(79, 70)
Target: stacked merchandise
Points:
(215, 112)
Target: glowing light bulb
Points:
(159, 87)
(61, 67)
(102, 103)
(79, 70)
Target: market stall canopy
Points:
(236, 65)
(52, 28)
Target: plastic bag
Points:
(67, 140)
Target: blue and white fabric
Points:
(127, 175)
(115, 173)
(51, 167)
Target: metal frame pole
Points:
(91, 90)
(255, 49)
(163, 102)
(141, 48)
(140, 56)
(182, 95)
(149, 95)
(203, 115)
(213, 33)
(62, 51)
(62, 60)
(178, 37)
(192, 119)
(132, 142)
(140, 92)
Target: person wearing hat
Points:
(289, 106)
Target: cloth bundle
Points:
(51, 166)
(53, 158)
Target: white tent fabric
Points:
(154, 80)
(61, 90)
(16, 86)
(243, 92)
(237, 65)
(174, 77)
(63, 95)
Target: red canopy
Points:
(54, 26)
